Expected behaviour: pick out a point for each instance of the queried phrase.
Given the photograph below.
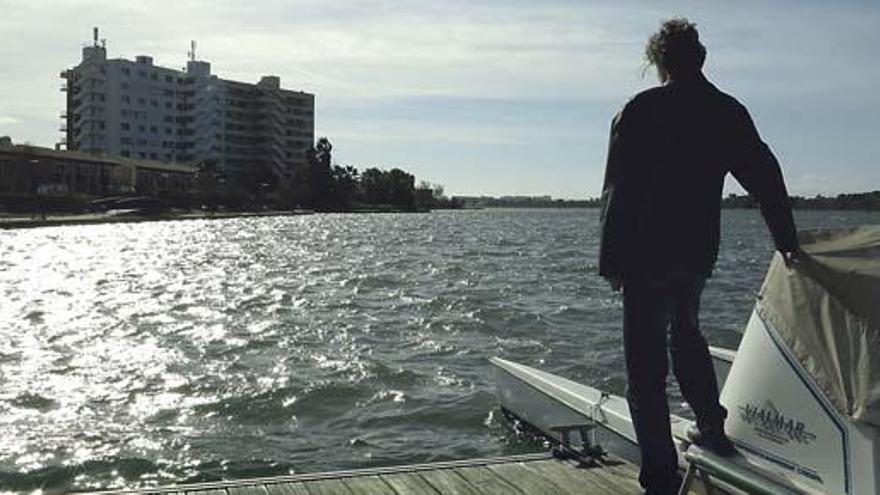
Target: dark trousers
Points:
(654, 307)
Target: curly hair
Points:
(676, 48)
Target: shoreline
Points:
(10, 223)
(28, 222)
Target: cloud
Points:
(8, 120)
(378, 53)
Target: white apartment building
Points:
(139, 110)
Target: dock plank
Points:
(487, 482)
(620, 467)
(582, 476)
(447, 481)
(530, 481)
(287, 489)
(625, 480)
(574, 474)
(214, 491)
(409, 484)
(368, 485)
(247, 490)
(331, 486)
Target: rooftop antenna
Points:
(192, 51)
(95, 35)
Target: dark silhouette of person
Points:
(669, 151)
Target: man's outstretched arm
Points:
(756, 168)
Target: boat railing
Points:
(713, 470)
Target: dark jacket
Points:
(670, 148)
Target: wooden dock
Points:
(529, 474)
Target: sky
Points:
(483, 96)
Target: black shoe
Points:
(717, 443)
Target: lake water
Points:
(162, 352)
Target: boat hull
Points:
(544, 401)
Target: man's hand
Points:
(616, 283)
(792, 258)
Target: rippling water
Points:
(154, 353)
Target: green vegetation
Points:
(323, 186)
(320, 186)
(869, 201)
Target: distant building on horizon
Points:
(135, 109)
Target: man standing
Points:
(670, 149)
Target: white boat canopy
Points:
(827, 311)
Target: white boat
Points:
(802, 389)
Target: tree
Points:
(320, 174)
(439, 191)
(371, 186)
(394, 188)
(343, 186)
(401, 187)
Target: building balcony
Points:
(91, 116)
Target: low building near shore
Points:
(33, 170)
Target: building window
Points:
(126, 71)
(124, 85)
(153, 129)
(125, 126)
(168, 131)
(142, 101)
(154, 76)
(154, 103)
(142, 128)
(152, 156)
(141, 154)
(126, 98)
(142, 73)
(168, 105)
(169, 79)
(125, 153)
